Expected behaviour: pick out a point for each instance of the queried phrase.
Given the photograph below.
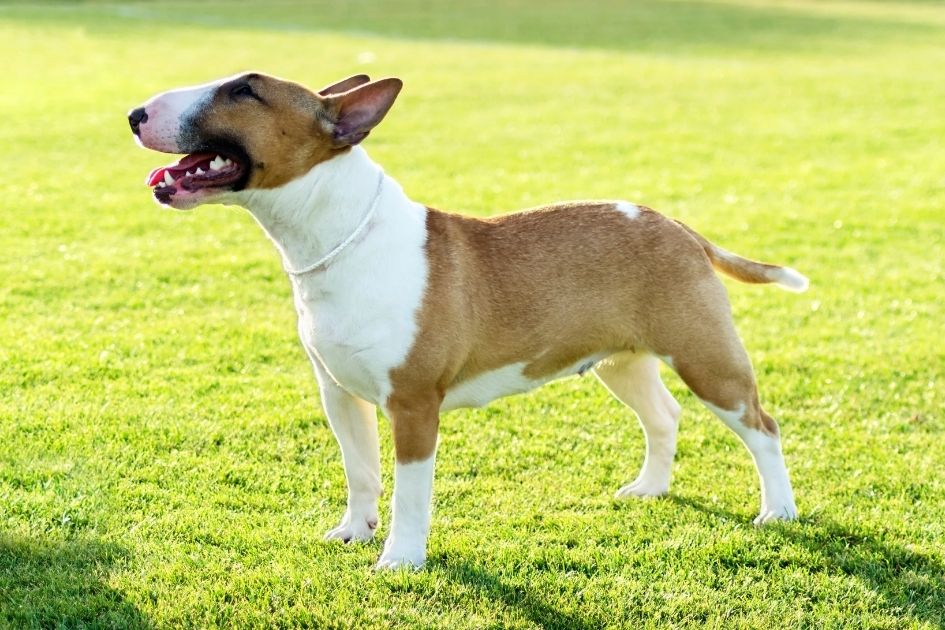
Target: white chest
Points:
(354, 347)
(359, 316)
(358, 311)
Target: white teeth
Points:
(167, 178)
(199, 171)
(189, 173)
(227, 161)
(217, 163)
(161, 184)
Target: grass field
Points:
(164, 461)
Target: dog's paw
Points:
(786, 512)
(401, 556)
(643, 488)
(353, 530)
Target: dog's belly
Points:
(508, 380)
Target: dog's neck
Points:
(311, 215)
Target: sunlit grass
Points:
(163, 457)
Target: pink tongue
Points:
(157, 175)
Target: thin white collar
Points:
(327, 258)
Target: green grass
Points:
(163, 457)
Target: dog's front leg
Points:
(354, 422)
(414, 421)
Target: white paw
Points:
(353, 529)
(643, 488)
(396, 556)
(786, 512)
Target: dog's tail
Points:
(749, 270)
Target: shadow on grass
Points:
(910, 584)
(61, 585)
(645, 25)
(519, 598)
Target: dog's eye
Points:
(241, 91)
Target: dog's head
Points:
(253, 131)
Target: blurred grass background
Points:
(163, 457)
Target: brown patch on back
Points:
(551, 286)
(548, 287)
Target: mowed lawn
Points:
(164, 460)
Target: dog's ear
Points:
(344, 85)
(353, 114)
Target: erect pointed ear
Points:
(344, 85)
(351, 115)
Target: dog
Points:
(417, 311)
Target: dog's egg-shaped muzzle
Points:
(163, 122)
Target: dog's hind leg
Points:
(777, 497)
(720, 374)
(635, 380)
(354, 423)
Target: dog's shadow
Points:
(528, 602)
(62, 585)
(908, 585)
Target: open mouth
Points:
(205, 171)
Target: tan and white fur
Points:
(417, 311)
